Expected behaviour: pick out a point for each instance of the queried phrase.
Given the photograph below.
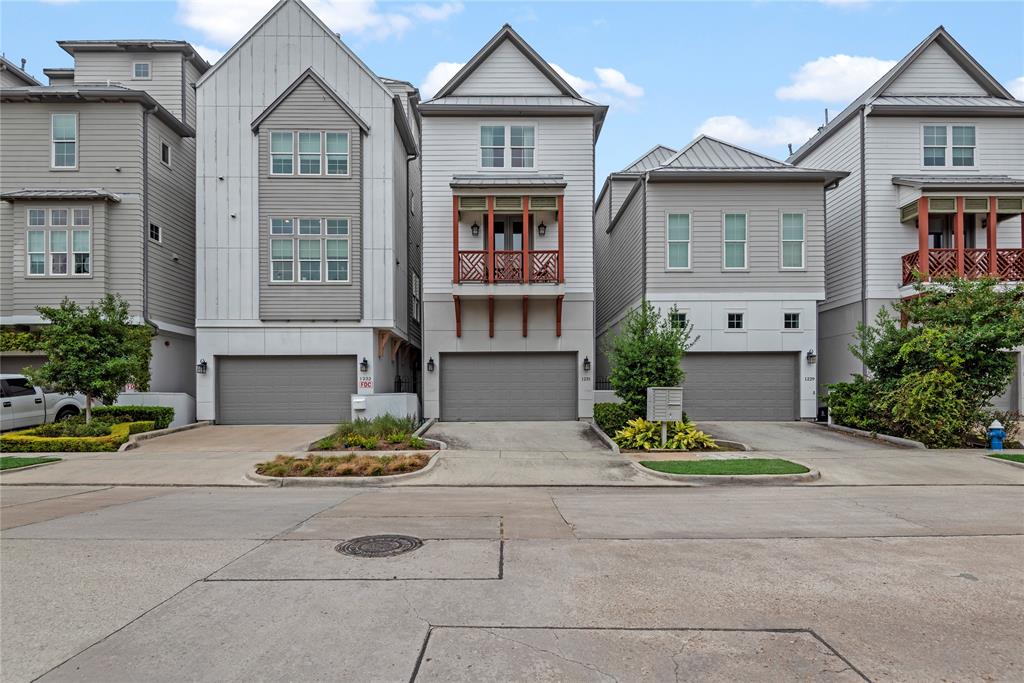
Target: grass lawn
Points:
(1013, 457)
(9, 462)
(737, 466)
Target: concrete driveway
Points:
(535, 437)
(237, 439)
(791, 437)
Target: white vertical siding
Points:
(507, 71)
(934, 73)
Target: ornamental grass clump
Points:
(382, 433)
(351, 465)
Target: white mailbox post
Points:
(664, 405)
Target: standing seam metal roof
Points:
(710, 153)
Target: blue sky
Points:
(757, 73)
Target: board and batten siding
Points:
(400, 196)
(507, 71)
(619, 267)
(171, 200)
(564, 145)
(164, 83)
(843, 209)
(109, 138)
(934, 72)
(893, 146)
(308, 107)
(230, 97)
(763, 203)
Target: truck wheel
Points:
(66, 412)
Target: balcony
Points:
(1009, 264)
(508, 266)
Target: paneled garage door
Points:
(285, 389)
(508, 386)
(741, 386)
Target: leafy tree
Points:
(94, 350)
(646, 353)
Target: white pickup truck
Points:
(25, 405)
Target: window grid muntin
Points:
(791, 321)
(734, 321)
(734, 240)
(333, 250)
(677, 238)
(41, 245)
(337, 160)
(310, 162)
(64, 140)
(793, 240)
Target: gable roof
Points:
(706, 152)
(507, 34)
(652, 158)
(940, 37)
(308, 74)
(17, 71)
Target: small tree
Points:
(647, 352)
(95, 350)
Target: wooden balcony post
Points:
(526, 240)
(922, 236)
(490, 240)
(455, 239)
(991, 235)
(561, 239)
(958, 236)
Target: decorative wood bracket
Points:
(396, 346)
(558, 316)
(490, 316)
(526, 305)
(458, 316)
(382, 340)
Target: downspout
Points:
(145, 215)
(863, 228)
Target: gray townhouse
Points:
(308, 231)
(508, 279)
(97, 182)
(731, 243)
(935, 153)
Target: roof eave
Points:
(730, 175)
(943, 110)
(95, 95)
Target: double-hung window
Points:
(944, 145)
(963, 145)
(337, 153)
(492, 146)
(336, 249)
(792, 240)
(64, 141)
(508, 146)
(309, 153)
(678, 237)
(58, 242)
(314, 249)
(309, 250)
(735, 241)
(522, 146)
(281, 153)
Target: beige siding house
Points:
(97, 178)
(306, 214)
(508, 289)
(935, 152)
(730, 243)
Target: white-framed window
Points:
(155, 233)
(310, 250)
(791, 321)
(81, 217)
(36, 217)
(678, 319)
(733, 320)
(281, 149)
(792, 240)
(165, 154)
(945, 145)
(58, 217)
(64, 141)
(81, 249)
(35, 246)
(142, 71)
(677, 237)
(336, 148)
(734, 241)
(58, 252)
(508, 145)
(58, 242)
(415, 304)
(310, 148)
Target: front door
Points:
(941, 232)
(508, 233)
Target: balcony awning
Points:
(533, 181)
(976, 183)
(60, 195)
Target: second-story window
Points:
(678, 241)
(792, 240)
(281, 153)
(58, 242)
(141, 71)
(963, 145)
(320, 247)
(64, 137)
(511, 146)
(944, 145)
(492, 146)
(521, 140)
(337, 153)
(735, 241)
(309, 153)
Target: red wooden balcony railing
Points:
(942, 263)
(544, 266)
(508, 266)
(473, 266)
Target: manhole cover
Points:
(384, 545)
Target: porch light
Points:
(475, 229)
(542, 229)
(201, 367)
(586, 363)
(430, 364)
(812, 357)
(364, 365)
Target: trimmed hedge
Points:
(162, 416)
(26, 441)
(611, 417)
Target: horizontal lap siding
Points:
(243, 86)
(934, 73)
(309, 108)
(116, 67)
(619, 264)
(762, 202)
(843, 211)
(507, 72)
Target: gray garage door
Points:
(741, 386)
(285, 389)
(508, 386)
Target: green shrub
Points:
(684, 436)
(379, 427)
(417, 443)
(640, 434)
(162, 416)
(611, 417)
(927, 407)
(359, 441)
(27, 441)
(75, 426)
(851, 404)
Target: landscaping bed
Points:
(73, 436)
(383, 433)
(1009, 457)
(351, 465)
(733, 467)
(13, 462)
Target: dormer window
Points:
(507, 146)
(947, 145)
(141, 71)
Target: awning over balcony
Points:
(974, 183)
(491, 182)
(60, 194)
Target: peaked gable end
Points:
(935, 72)
(507, 71)
(310, 88)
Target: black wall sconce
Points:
(812, 357)
(542, 229)
(201, 367)
(430, 364)
(586, 363)
(475, 229)
(364, 365)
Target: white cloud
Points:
(225, 21)
(208, 53)
(610, 88)
(1017, 87)
(839, 78)
(580, 85)
(614, 80)
(780, 131)
(440, 74)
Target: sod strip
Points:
(738, 466)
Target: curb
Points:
(989, 457)
(134, 439)
(607, 440)
(252, 475)
(733, 479)
(875, 436)
(441, 445)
